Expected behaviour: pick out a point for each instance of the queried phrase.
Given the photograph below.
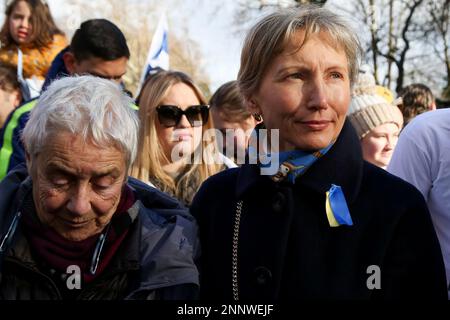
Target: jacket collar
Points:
(342, 165)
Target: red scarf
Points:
(53, 251)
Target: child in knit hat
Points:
(376, 120)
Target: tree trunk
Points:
(373, 33)
(390, 41)
(401, 61)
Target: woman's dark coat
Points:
(287, 249)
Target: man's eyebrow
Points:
(106, 76)
(95, 74)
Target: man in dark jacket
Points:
(97, 48)
(75, 228)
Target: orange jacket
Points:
(36, 61)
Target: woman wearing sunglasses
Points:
(173, 153)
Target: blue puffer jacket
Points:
(57, 69)
(154, 261)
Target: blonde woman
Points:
(327, 221)
(176, 150)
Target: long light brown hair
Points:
(43, 25)
(150, 159)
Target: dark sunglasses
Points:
(170, 116)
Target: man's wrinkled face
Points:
(76, 185)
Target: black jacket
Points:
(286, 249)
(154, 261)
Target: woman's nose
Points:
(392, 141)
(24, 23)
(317, 96)
(79, 202)
(184, 123)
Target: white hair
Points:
(96, 109)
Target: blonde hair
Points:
(149, 162)
(271, 35)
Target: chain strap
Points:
(237, 222)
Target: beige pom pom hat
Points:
(370, 109)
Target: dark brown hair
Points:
(417, 98)
(8, 78)
(44, 27)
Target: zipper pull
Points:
(98, 250)
(11, 230)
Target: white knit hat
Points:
(368, 109)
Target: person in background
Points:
(10, 94)
(324, 224)
(98, 48)
(176, 150)
(30, 40)
(233, 120)
(74, 226)
(377, 122)
(416, 98)
(422, 157)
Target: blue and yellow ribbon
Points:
(336, 207)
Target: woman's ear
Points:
(252, 106)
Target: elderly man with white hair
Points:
(74, 226)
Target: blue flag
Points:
(158, 54)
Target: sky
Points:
(220, 40)
(210, 23)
